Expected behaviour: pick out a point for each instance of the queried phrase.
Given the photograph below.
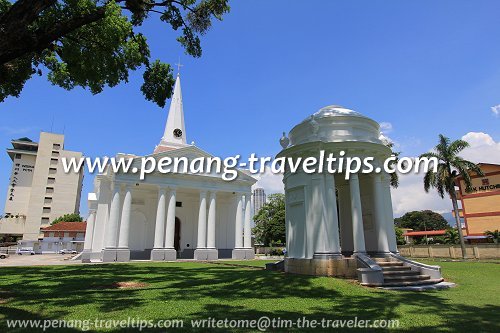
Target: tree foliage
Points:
(400, 239)
(422, 220)
(450, 166)
(94, 43)
(270, 221)
(68, 218)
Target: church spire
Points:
(175, 129)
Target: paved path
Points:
(37, 260)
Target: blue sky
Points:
(425, 67)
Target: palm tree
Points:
(450, 167)
(452, 236)
(493, 234)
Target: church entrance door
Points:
(177, 234)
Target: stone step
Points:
(412, 283)
(406, 278)
(400, 272)
(391, 263)
(395, 268)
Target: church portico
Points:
(168, 216)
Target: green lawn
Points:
(196, 291)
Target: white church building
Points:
(167, 216)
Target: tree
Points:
(493, 235)
(68, 218)
(400, 239)
(270, 221)
(452, 236)
(449, 167)
(94, 43)
(422, 220)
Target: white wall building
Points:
(39, 190)
(169, 215)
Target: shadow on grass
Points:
(216, 291)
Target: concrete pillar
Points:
(123, 252)
(170, 228)
(238, 235)
(123, 239)
(380, 215)
(114, 216)
(202, 221)
(157, 253)
(247, 234)
(389, 220)
(357, 215)
(211, 221)
(329, 230)
(89, 236)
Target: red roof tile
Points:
(424, 233)
(67, 226)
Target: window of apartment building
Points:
(56, 146)
(49, 190)
(52, 171)
(51, 180)
(46, 210)
(55, 153)
(47, 200)
(45, 220)
(17, 156)
(53, 161)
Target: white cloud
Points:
(385, 127)
(271, 183)
(15, 131)
(483, 148)
(496, 110)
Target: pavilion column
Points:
(247, 234)
(170, 228)
(123, 238)
(356, 215)
(332, 218)
(379, 214)
(202, 221)
(238, 235)
(211, 221)
(89, 231)
(389, 219)
(114, 219)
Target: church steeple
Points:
(174, 135)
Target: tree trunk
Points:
(459, 224)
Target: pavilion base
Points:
(108, 255)
(85, 256)
(338, 267)
(122, 255)
(243, 254)
(170, 255)
(206, 254)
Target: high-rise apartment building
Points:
(39, 190)
(259, 199)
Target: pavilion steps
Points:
(398, 274)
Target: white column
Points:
(389, 220)
(89, 231)
(125, 221)
(170, 229)
(114, 216)
(379, 214)
(238, 243)
(160, 220)
(202, 221)
(332, 218)
(356, 215)
(247, 224)
(211, 221)
(346, 242)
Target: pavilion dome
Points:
(335, 123)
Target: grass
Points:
(188, 291)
